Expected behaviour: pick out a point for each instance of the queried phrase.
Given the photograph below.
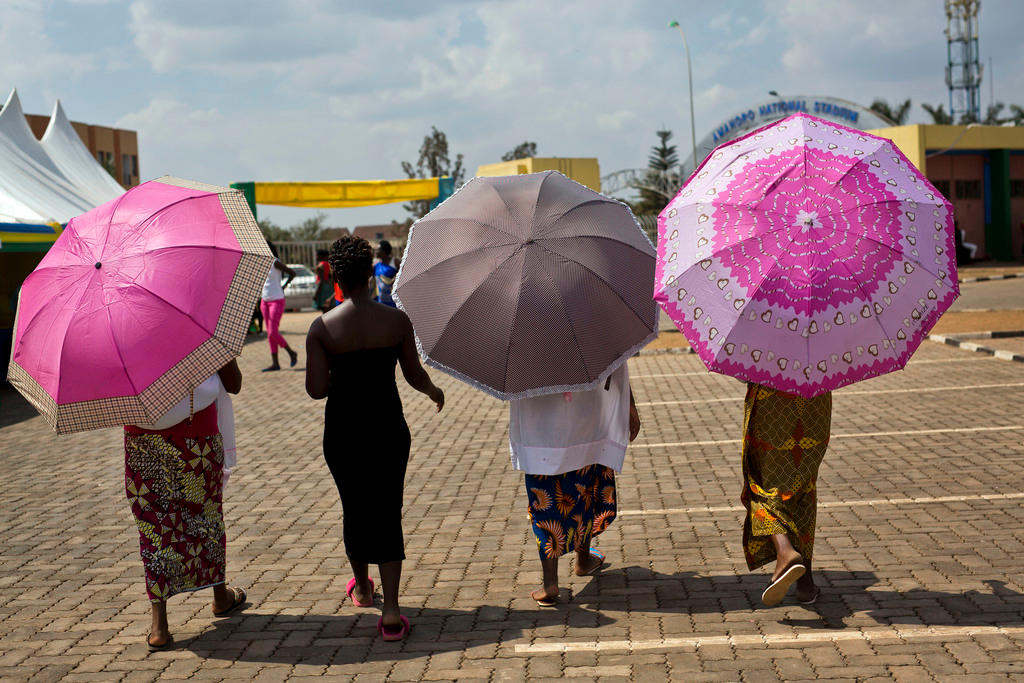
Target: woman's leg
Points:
(159, 631)
(274, 336)
(548, 527)
(390, 578)
(362, 591)
(549, 590)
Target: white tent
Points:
(48, 181)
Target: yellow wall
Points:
(917, 140)
(584, 171)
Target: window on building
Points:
(942, 186)
(126, 169)
(106, 160)
(968, 189)
(380, 236)
(1017, 188)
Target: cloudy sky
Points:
(225, 90)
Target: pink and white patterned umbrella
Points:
(806, 256)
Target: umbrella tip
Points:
(98, 264)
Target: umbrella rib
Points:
(857, 162)
(561, 300)
(589, 270)
(598, 200)
(424, 221)
(406, 283)
(117, 348)
(867, 298)
(110, 220)
(508, 209)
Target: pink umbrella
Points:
(137, 302)
(806, 256)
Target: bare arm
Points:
(231, 377)
(290, 272)
(413, 371)
(634, 417)
(318, 370)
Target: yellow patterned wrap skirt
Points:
(784, 441)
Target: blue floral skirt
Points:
(567, 510)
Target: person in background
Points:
(272, 306)
(174, 473)
(351, 353)
(570, 446)
(323, 297)
(384, 273)
(785, 437)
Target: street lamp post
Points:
(689, 81)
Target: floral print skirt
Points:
(173, 479)
(567, 510)
(784, 441)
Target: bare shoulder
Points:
(316, 329)
(397, 317)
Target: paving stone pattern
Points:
(914, 589)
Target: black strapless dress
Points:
(366, 446)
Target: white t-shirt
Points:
(202, 396)
(559, 433)
(272, 289)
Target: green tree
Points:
(434, 162)
(272, 231)
(523, 150)
(662, 179)
(939, 114)
(897, 114)
(309, 229)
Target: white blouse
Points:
(559, 433)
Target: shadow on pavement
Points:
(13, 406)
(352, 638)
(843, 595)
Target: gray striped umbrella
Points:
(527, 285)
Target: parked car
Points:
(298, 295)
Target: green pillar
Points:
(249, 190)
(998, 232)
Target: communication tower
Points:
(963, 71)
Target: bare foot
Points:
(545, 597)
(589, 564)
(363, 594)
(784, 560)
(391, 618)
(159, 636)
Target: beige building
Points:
(584, 171)
(116, 149)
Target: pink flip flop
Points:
(388, 634)
(351, 587)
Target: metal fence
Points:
(301, 252)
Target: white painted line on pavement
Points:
(834, 504)
(843, 392)
(757, 640)
(858, 435)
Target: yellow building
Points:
(980, 169)
(584, 171)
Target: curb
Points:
(986, 278)
(960, 343)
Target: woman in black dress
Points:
(351, 353)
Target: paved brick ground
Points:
(921, 533)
